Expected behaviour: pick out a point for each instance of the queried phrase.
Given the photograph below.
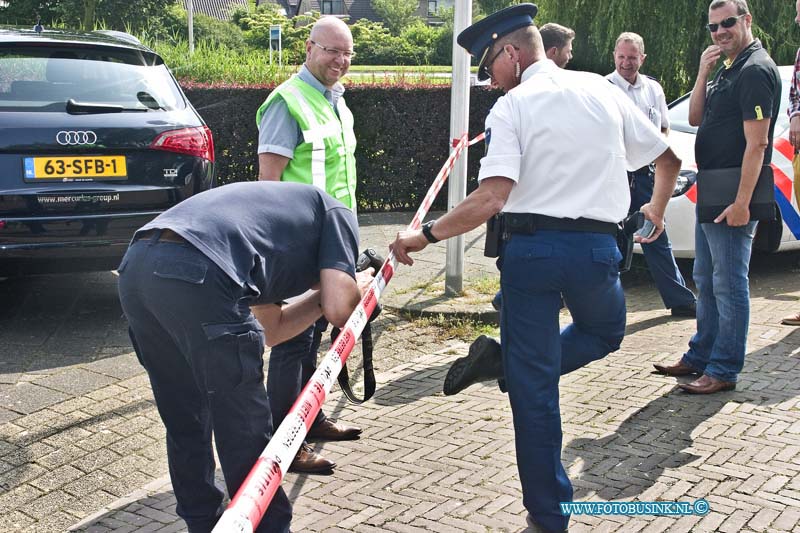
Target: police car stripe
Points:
(784, 177)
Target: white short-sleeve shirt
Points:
(647, 94)
(567, 139)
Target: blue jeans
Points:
(721, 266)
(536, 270)
(291, 365)
(658, 254)
(193, 332)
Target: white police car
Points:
(781, 235)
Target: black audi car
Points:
(96, 139)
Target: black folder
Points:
(717, 189)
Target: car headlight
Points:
(686, 179)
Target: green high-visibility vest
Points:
(326, 157)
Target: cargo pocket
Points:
(235, 355)
(181, 270)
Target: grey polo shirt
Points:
(279, 132)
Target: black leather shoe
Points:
(483, 363)
(307, 461)
(330, 430)
(685, 311)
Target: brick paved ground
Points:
(81, 445)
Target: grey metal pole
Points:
(190, 19)
(459, 124)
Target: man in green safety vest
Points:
(305, 135)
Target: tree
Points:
(89, 10)
(86, 14)
(674, 33)
(488, 7)
(396, 14)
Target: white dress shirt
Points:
(648, 96)
(567, 139)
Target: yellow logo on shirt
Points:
(759, 113)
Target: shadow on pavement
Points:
(48, 322)
(627, 462)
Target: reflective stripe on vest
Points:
(325, 154)
(316, 136)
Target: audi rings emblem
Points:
(72, 138)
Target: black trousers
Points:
(194, 333)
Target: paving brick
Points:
(762, 520)
(49, 503)
(56, 478)
(788, 520)
(18, 521)
(61, 456)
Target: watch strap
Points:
(426, 231)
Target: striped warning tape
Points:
(256, 492)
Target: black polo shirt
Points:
(750, 89)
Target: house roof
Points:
(219, 9)
(361, 10)
(354, 9)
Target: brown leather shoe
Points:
(677, 370)
(307, 461)
(330, 430)
(707, 385)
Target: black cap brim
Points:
(479, 38)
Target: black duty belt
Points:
(530, 222)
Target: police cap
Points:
(478, 38)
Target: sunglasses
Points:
(487, 68)
(729, 22)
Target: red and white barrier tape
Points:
(255, 494)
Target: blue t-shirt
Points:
(273, 237)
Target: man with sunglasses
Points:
(305, 135)
(557, 147)
(648, 96)
(735, 115)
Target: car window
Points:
(43, 79)
(679, 109)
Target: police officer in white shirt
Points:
(648, 96)
(558, 145)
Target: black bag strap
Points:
(366, 259)
(368, 369)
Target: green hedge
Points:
(402, 133)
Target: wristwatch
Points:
(426, 230)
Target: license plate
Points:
(76, 168)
